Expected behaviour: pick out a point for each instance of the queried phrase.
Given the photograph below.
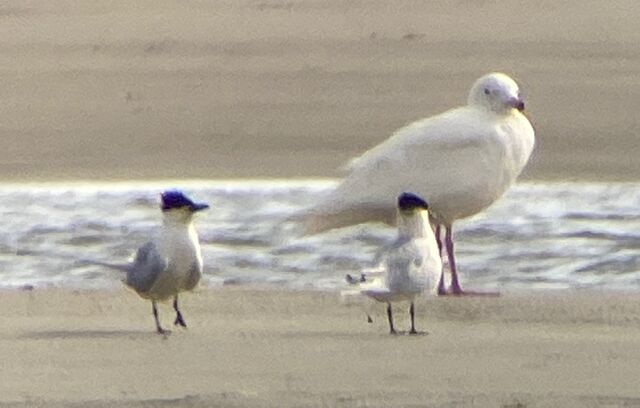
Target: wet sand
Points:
(267, 348)
(280, 88)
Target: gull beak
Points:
(516, 103)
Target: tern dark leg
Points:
(412, 313)
(159, 328)
(455, 284)
(179, 320)
(390, 317)
(442, 290)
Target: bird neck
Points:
(178, 236)
(172, 222)
(414, 225)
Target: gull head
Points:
(177, 205)
(496, 92)
(409, 203)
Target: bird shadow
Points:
(88, 334)
(407, 333)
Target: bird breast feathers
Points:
(432, 137)
(462, 151)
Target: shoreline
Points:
(243, 181)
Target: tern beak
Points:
(195, 207)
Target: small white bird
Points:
(411, 264)
(461, 161)
(171, 263)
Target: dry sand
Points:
(278, 88)
(259, 348)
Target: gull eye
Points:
(487, 91)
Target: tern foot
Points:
(180, 322)
(442, 290)
(418, 333)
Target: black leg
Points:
(412, 313)
(390, 317)
(159, 328)
(179, 320)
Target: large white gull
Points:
(460, 161)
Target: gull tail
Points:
(315, 221)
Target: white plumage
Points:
(460, 161)
(411, 265)
(171, 263)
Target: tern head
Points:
(408, 203)
(175, 202)
(496, 92)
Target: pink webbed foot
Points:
(457, 291)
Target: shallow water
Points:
(539, 235)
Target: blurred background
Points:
(293, 88)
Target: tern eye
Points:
(487, 91)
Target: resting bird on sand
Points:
(411, 264)
(171, 263)
(461, 161)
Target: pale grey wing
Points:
(405, 266)
(383, 254)
(147, 266)
(399, 284)
(443, 159)
(193, 276)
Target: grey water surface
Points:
(539, 235)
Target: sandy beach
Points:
(267, 348)
(123, 90)
(281, 88)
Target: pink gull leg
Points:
(441, 288)
(456, 290)
(455, 284)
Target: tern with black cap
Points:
(411, 265)
(172, 262)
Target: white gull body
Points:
(460, 161)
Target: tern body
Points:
(172, 263)
(411, 265)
